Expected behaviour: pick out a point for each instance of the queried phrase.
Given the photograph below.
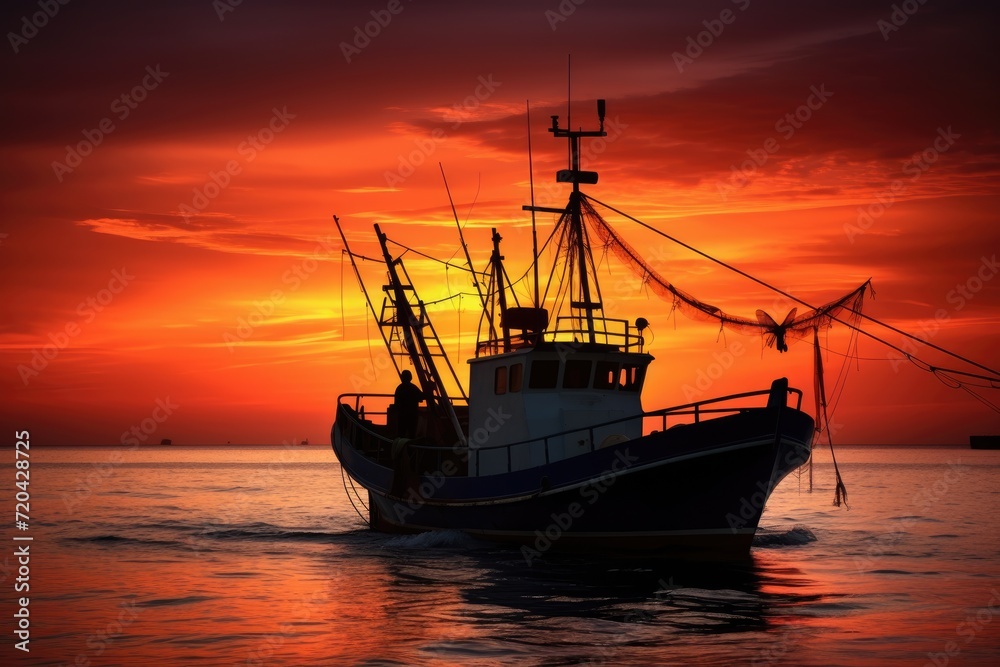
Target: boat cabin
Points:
(547, 397)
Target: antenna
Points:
(569, 91)
(531, 181)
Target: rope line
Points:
(994, 381)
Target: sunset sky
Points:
(170, 171)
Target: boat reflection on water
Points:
(449, 597)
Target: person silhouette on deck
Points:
(407, 400)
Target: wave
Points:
(272, 534)
(909, 518)
(138, 494)
(793, 537)
(120, 539)
(200, 536)
(233, 489)
(433, 539)
(173, 602)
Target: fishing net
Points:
(794, 326)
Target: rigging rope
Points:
(479, 186)
(823, 419)
(343, 325)
(993, 382)
(343, 479)
(426, 256)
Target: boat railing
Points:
(361, 409)
(386, 398)
(571, 329)
(696, 410)
(607, 330)
(359, 427)
(362, 428)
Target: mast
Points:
(531, 184)
(577, 236)
(499, 280)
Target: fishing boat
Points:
(551, 448)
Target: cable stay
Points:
(457, 267)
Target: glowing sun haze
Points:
(170, 171)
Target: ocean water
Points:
(255, 556)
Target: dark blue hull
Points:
(696, 490)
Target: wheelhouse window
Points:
(516, 377)
(606, 375)
(544, 374)
(500, 380)
(632, 376)
(577, 375)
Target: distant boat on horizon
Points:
(984, 441)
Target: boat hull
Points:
(692, 491)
